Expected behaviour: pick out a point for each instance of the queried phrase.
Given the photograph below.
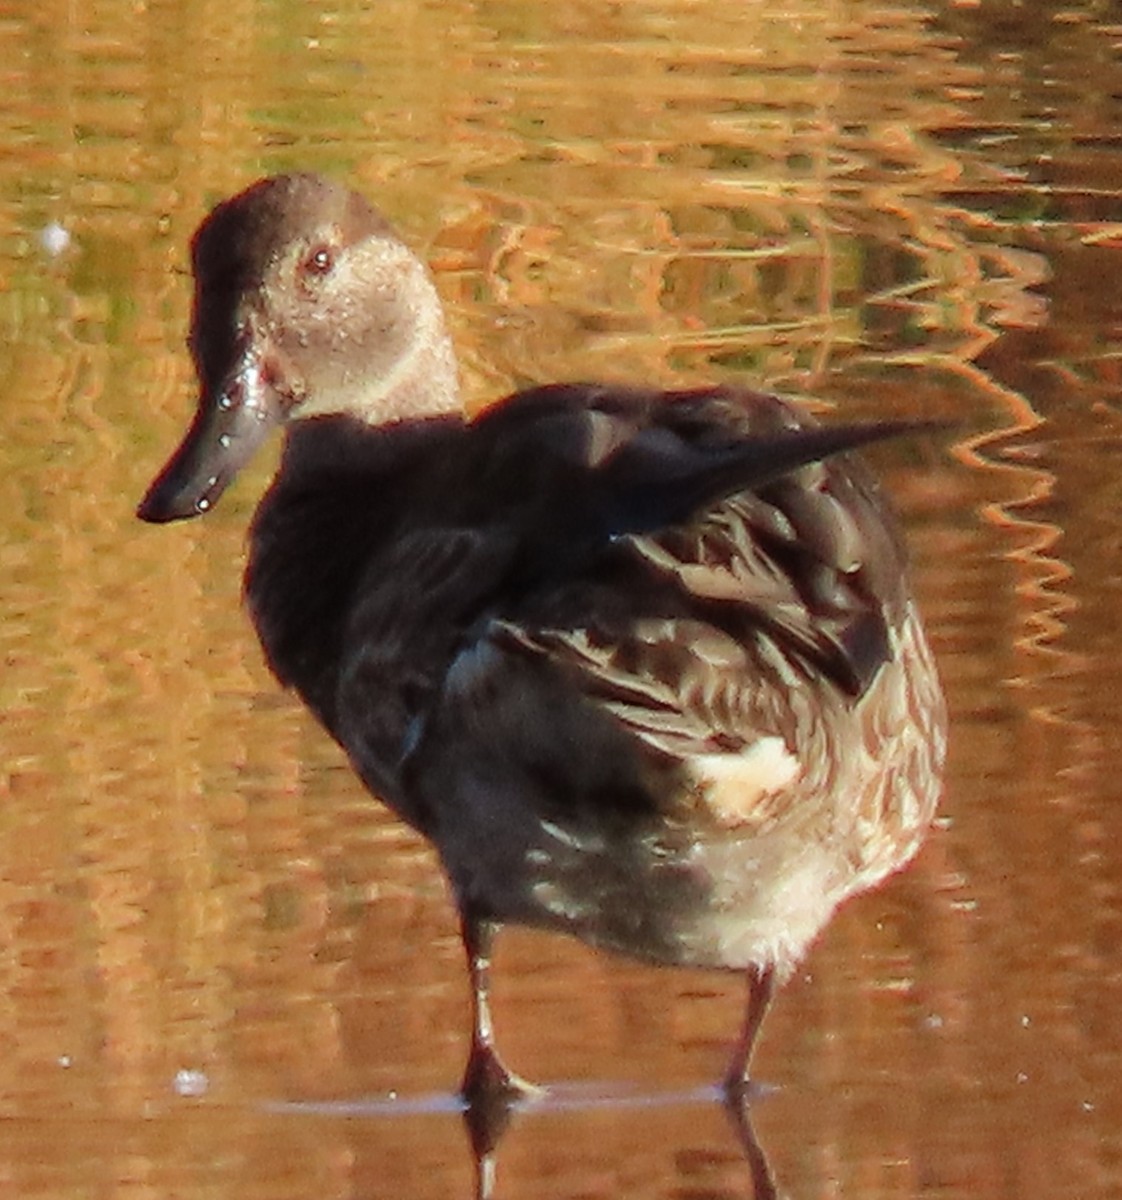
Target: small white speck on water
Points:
(64, 1061)
(54, 238)
(933, 1021)
(1022, 1077)
(190, 1082)
(1026, 1021)
(1087, 1106)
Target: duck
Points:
(644, 666)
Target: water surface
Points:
(896, 209)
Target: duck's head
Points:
(306, 304)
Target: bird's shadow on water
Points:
(487, 1121)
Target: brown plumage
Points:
(644, 666)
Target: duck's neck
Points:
(399, 367)
(424, 381)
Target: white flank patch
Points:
(732, 785)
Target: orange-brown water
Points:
(900, 209)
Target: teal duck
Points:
(643, 666)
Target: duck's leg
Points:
(761, 987)
(487, 1079)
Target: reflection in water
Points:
(488, 1120)
(486, 1124)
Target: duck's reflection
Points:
(488, 1117)
(739, 1110)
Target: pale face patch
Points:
(733, 786)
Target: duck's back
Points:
(634, 681)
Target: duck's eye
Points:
(319, 262)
